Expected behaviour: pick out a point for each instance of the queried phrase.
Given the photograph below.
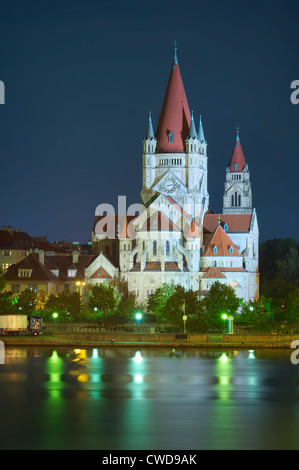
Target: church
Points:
(176, 238)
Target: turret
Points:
(192, 247)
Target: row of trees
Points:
(279, 301)
(103, 302)
(169, 302)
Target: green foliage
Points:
(66, 304)
(259, 311)
(104, 298)
(292, 307)
(279, 267)
(170, 302)
(8, 302)
(157, 302)
(27, 302)
(219, 300)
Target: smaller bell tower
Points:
(237, 197)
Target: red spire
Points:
(193, 231)
(237, 161)
(175, 117)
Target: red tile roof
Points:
(213, 273)
(237, 161)
(236, 223)
(221, 240)
(193, 231)
(175, 116)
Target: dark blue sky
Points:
(81, 78)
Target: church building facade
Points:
(176, 238)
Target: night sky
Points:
(81, 77)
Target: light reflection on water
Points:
(123, 398)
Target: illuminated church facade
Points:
(176, 238)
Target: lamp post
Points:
(230, 323)
(224, 317)
(138, 317)
(184, 315)
(55, 316)
(80, 285)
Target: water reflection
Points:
(124, 398)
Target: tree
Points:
(104, 298)
(170, 302)
(220, 299)
(289, 266)
(2, 281)
(27, 302)
(157, 302)
(66, 304)
(279, 262)
(292, 307)
(256, 312)
(8, 303)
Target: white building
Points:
(176, 238)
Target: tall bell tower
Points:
(237, 198)
(175, 157)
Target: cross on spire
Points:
(175, 43)
(237, 129)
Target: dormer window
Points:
(236, 166)
(231, 250)
(225, 227)
(72, 272)
(25, 272)
(215, 250)
(170, 137)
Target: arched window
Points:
(155, 248)
(236, 166)
(215, 250)
(167, 248)
(170, 137)
(231, 250)
(233, 199)
(225, 227)
(236, 199)
(239, 200)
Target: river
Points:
(148, 399)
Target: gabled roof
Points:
(214, 273)
(222, 242)
(175, 116)
(101, 273)
(43, 272)
(178, 207)
(159, 222)
(39, 271)
(236, 223)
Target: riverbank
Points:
(154, 341)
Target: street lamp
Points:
(184, 316)
(55, 316)
(80, 287)
(138, 317)
(230, 322)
